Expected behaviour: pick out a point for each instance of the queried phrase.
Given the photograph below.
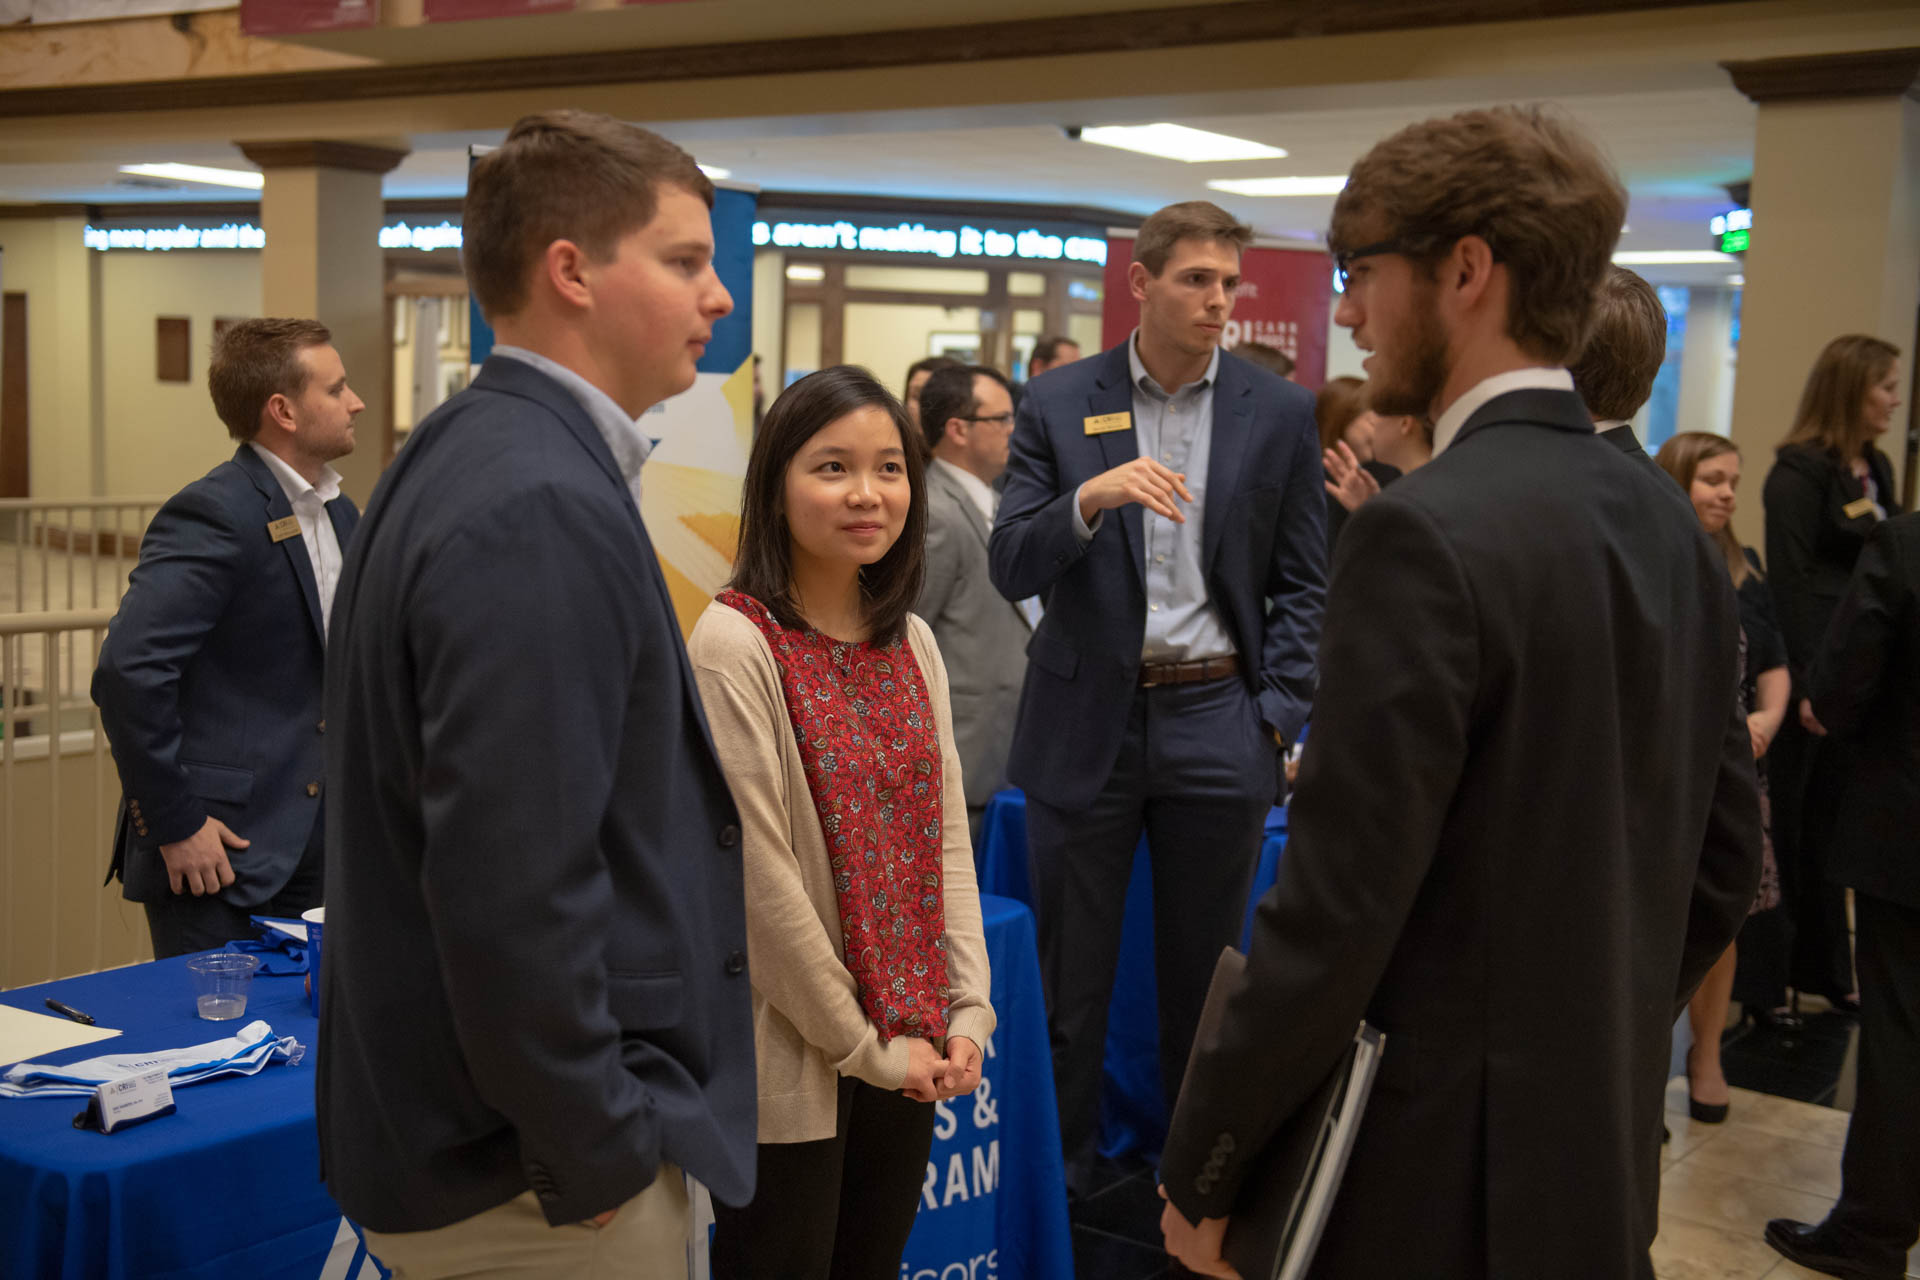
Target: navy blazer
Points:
(208, 683)
(535, 972)
(1264, 549)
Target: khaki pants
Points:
(647, 1240)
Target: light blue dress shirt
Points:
(1176, 429)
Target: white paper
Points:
(288, 927)
(25, 1034)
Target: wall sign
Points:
(245, 235)
(937, 238)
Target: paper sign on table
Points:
(24, 1034)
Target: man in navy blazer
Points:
(208, 682)
(535, 1010)
(1164, 499)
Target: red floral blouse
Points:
(865, 728)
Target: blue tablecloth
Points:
(229, 1187)
(1133, 1112)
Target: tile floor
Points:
(1774, 1157)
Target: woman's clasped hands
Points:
(933, 1078)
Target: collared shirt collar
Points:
(1608, 424)
(1145, 381)
(1448, 425)
(622, 433)
(292, 483)
(972, 485)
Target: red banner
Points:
(1285, 301)
(291, 17)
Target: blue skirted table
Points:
(1133, 1114)
(229, 1188)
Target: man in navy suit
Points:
(209, 680)
(1164, 499)
(535, 1010)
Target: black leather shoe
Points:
(1783, 1019)
(1815, 1248)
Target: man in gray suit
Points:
(967, 413)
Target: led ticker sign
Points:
(965, 241)
(245, 235)
(1732, 231)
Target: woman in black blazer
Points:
(1829, 487)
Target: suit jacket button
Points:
(736, 964)
(729, 836)
(313, 788)
(1226, 1143)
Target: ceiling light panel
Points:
(1327, 186)
(715, 172)
(1674, 258)
(1177, 142)
(199, 173)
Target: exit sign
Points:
(1732, 231)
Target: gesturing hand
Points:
(1142, 480)
(1347, 481)
(199, 863)
(963, 1067)
(1809, 721)
(925, 1069)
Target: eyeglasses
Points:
(998, 419)
(1343, 259)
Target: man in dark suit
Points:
(1865, 687)
(968, 414)
(1527, 820)
(1164, 499)
(535, 1008)
(208, 682)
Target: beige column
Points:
(1836, 237)
(321, 211)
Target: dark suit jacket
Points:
(208, 683)
(1537, 653)
(1264, 554)
(1866, 692)
(1812, 542)
(535, 965)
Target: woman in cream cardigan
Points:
(828, 705)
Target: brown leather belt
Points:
(1153, 674)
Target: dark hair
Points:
(563, 175)
(763, 566)
(1340, 401)
(1271, 358)
(1189, 220)
(255, 360)
(1047, 349)
(949, 393)
(1523, 179)
(1832, 413)
(926, 364)
(1625, 346)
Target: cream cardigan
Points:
(808, 1026)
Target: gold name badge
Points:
(283, 528)
(1101, 425)
(1857, 508)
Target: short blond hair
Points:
(1523, 179)
(1188, 220)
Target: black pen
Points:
(68, 1011)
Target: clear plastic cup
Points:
(220, 982)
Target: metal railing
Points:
(69, 553)
(58, 795)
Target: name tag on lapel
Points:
(1103, 423)
(1857, 508)
(283, 528)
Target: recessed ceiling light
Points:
(1177, 142)
(806, 271)
(1674, 258)
(199, 173)
(715, 172)
(1328, 186)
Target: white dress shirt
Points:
(316, 526)
(616, 427)
(1448, 425)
